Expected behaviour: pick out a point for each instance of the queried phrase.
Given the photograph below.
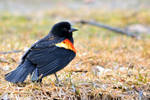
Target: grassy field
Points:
(125, 62)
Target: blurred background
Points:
(108, 65)
(30, 6)
(31, 19)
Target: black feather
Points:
(20, 73)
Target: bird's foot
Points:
(58, 83)
(39, 81)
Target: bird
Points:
(46, 56)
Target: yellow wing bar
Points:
(67, 44)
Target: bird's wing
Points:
(50, 58)
(43, 52)
(45, 43)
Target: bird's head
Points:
(63, 29)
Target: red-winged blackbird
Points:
(47, 56)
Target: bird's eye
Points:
(65, 29)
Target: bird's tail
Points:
(20, 73)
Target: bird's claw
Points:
(58, 83)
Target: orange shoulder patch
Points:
(67, 44)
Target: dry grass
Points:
(126, 61)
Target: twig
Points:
(3, 60)
(115, 29)
(13, 51)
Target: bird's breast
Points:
(67, 44)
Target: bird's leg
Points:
(39, 80)
(56, 78)
(58, 82)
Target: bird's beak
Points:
(72, 30)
